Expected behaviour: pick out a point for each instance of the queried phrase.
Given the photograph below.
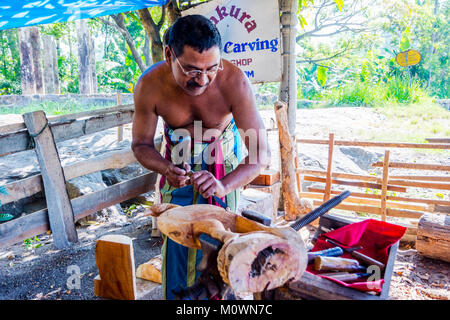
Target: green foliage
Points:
(32, 243)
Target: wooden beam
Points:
(70, 129)
(37, 222)
(328, 182)
(415, 166)
(438, 140)
(393, 198)
(119, 128)
(372, 202)
(18, 126)
(384, 184)
(340, 175)
(32, 185)
(58, 203)
(377, 144)
(355, 184)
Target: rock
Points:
(362, 157)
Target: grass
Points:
(55, 108)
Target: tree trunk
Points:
(26, 62)
(50, 65)
(152, 31)
(118, 19)
(293, 205)
(146, 49)
(433, 236)
(36, 47)
(85, 81)
(288, 85)
(92, 65)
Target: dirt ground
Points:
(41, 272)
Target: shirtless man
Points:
(194, 83)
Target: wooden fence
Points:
(384, 202)
(41, 134)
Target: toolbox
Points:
(313, 287)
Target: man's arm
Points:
(253, 134)
(143, 133)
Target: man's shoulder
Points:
(152, 78)
(233, 79)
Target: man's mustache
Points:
(193, 84)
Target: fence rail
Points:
(382, 203)
(16, 138)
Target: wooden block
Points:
(151, 270)
(433, 236)
(275, 191)
(267, 177)
(115, 262)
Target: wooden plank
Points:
(438, 140)
(311, 286)
(377, 144)
(422, 178)
(393, 198)
(328, 182)
(37, 222)
(340, 175)
(58, 203)
(32, 185)
(114, 257)
(267, 177)
(351, 199)
(18, 126)
(355, 184)
(415, 166)
(384, 184)
(70, 129)
(417, 184)
(376, 210)
(119, 128)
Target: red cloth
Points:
(375, 237)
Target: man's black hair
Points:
(195, 31)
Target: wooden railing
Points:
(39, 133)
(384, 202)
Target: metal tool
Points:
(358, 255)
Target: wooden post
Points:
(119, 128)
(293, 205)
(327, 194)
(60, 212)
(288, 85)
(384, 184)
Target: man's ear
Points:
(167, 55)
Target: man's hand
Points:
(176, 177)
(205, 183)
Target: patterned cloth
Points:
(179, 262)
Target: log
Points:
(253, 257)
(433, 236)
(293, 205)
(151, 270)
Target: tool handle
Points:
(331, 252)
(367, 260)
(322, 209)
(256, 216)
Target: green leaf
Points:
(302, 21)
(405, 43)
(5, 217)
(340, 4)
(322, 75)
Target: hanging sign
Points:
(250, 33)
(408, 58)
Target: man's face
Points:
(194, 71)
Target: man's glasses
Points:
(196, 73)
